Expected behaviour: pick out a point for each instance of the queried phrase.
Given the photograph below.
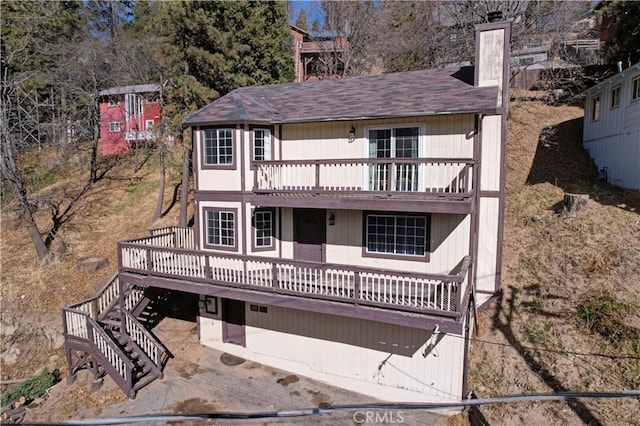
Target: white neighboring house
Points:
(612, 128)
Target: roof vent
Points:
(494, 16)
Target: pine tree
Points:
(301, 22)
(624, 43)
(210, 48)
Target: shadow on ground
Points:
(561, 160)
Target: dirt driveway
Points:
(202, 380)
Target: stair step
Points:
(112, 322)
(146, 369)
(144, 382)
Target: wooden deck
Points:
(437, 185)
(169, 253)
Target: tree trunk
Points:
(94, 144)
(10, 172)
(184, 191)
(158, 211)
(34, 234)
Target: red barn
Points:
(129, 115)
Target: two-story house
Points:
(611, 127)
(128, 115)
(345, 230)
(317, 56)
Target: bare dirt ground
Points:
(532, 336)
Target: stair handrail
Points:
(92, 305)
(91, 332)
(158, 351)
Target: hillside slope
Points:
(570, 283)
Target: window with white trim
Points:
(395, 142)
(405, 235)
(595, 108)
(615, 97)
(635, 86)
(220, 228)
(149, 124)
(217, 147)
(263, 228)
(114, 126)
(261, 144)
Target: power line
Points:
(558, 351)
(559, 396)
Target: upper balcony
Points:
(168, 259)
(438, 185)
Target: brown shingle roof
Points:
(407, 94)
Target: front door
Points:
(309, 234)
(233, 322)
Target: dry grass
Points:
(118, 207)
(551, 267)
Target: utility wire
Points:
(558, 351)
(559, 396)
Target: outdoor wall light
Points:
(332, 219)
(352, 134)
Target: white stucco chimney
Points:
(493, 42)
(491, 70)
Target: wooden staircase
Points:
(103, 335)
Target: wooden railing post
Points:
(94, 309)
(119, 257)
(356, 287)
(274, 275)
(89, 329)
(208, 271)
(148, 252)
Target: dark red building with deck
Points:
(129, 115)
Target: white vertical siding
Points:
(386, 361)
(491, 153)
(449, 136)
(487, 244)
(446, 136)
(344, 243)
(287, 233)
(620, 155)
(632, 117)
(613, 140)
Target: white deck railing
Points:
(410, 175)
(413, 291)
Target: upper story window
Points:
(261, 144)
(393, 234)
(114, 126)
(220, 229)
(615, 97)
(113, 101)
(635, 86)
(217, 147)
(395, 142)
(149, 124)
(263, 229)
(595, 108)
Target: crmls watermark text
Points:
(372, 417)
